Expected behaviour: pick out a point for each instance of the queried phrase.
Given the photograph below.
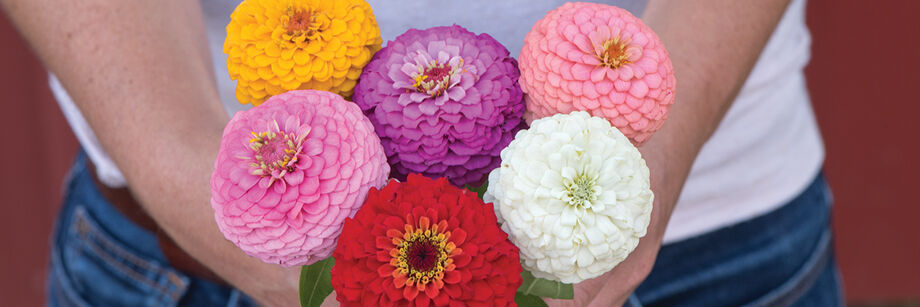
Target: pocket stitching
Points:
(65, 294)
(92, 228)
(82, 220)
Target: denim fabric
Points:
(783, 258)
(100, 258)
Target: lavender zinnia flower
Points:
(444, 102)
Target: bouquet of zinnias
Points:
(303, 178)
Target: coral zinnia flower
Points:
(290, 171)
(428, 243)
(444, 101)
(574, 195)
(275, 46)
(601, 59)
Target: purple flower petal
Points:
(458, 120)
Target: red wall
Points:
(36, 151)
(864, 77)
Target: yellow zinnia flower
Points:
(274, 46)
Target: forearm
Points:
(140, 72)
(713, 46)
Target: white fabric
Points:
(765, 152)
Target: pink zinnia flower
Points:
(290, 171)
(600, 59)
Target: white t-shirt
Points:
(765, 152)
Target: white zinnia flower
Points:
(574, 196)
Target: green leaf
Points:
(525, 300)
(544, 288)
(315, 282)
(480, 190)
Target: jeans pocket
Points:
(804, 279)
(104, 272)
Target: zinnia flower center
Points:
(615, 53)
(437, 78)
(422, 255)
(300, 22)
(581, 191)
(275, 153)
(437, 73)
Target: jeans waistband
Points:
(80, 189)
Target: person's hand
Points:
(279, 291)
(614, 287)
(330, 301)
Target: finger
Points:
(330, 301)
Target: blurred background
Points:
(864, 79)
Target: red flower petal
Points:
(454, 291)
(481, 266)
(385, 270)
(458, 236)
(441, 300)
(481, 290)
(410, 293)
(462, 260)
(423, 223)
(399, 280)
(422, 302)
(452, 277)
(393, 294)
(384, 243)
(431, 291)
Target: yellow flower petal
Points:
(250, 74)
(272, 50)
(353, 74)
(288, 54)
(279, 70)
(257, 94)
(314, 47)
(267, 57)
(301, 57)
(291, 85)
(339, 74)
(338, 27)
(274, 89)
(302, 70)
(257, 85)
(266, 73)
(323, 74)
(340, 63)
(252, 51)
(317, 66)
(241, 95)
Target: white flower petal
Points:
(574, 196)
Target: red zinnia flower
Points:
(427, 242)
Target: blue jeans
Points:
(101, 258)
(783, 258)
